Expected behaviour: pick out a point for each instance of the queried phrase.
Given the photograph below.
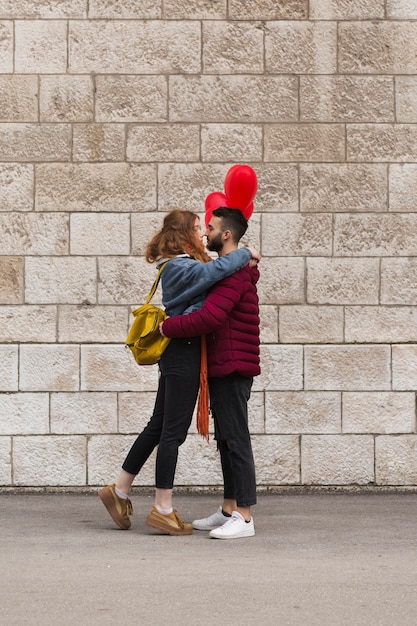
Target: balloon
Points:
(248, 211)
(214, 201)
(240, 186)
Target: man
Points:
(230, 319)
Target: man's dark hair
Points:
(233, 220)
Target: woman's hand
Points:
(256, 257)
(160, 329)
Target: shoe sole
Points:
(240, 536)
(166, 528)
(207, 527)
(108, 502)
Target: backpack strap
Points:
(155, 285)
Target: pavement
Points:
(320, 558)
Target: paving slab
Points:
(317, 559)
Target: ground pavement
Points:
(318, 558)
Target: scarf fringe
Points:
(203, 396)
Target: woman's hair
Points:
(177, 236)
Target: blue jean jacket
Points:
(185, 281)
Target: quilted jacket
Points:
(230, 319)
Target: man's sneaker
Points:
(234, 528)
(214, 521)
(170, 524)
(119, 508)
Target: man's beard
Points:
(215, 244)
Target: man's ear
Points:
(227, 234)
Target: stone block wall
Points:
(112, 112)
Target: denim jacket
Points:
(185, 281)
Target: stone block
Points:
(337, 459)
(24, 413)
(268, 10)
(222, 142)
(125, 280)
(398, 281)
(376, 324)
(195, 9)
(277, 459)
(346, 98)
(377, 47)
(342, 281)
(301, 47)
(375, 235)
(311, 324)
(129, 98)
(304, 142)
(49, 461)
(281, 369)
(134, 47)
(295, 235)
(75, 413)
(282, 281)
(378, 412)
(115, 187)
(92, 324)
(5, 460)
(404, 367)
(106, 453)
(7, 46)
(269, 323)
(160, 142)
(403, 187)
(66, 98)
(9, 360)
(35, 142)
(238, 98)
(406, 99)
(343, 187)
(401, 9)
(19, 98)
(100, 234)
(41, 46)
(256, 413)
(11, 280)
(44, 9)
(98, 142)
(382, 142)
(113, 368)
(233, 47)
(293, 412)
(34, 234)
(60, 280)
(396, 460)
(16, 187)
(124, 9)
(27, 324)
(347, 368)
(134, 411)
(350, 10)
(45, 367)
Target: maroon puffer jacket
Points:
(230, 319)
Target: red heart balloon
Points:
(214, 201)
(248, 211)
(240, 186)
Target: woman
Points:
(185, 281)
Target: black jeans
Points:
(229, 404)
(174, 405)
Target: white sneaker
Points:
(209, 523)
(235, 527)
